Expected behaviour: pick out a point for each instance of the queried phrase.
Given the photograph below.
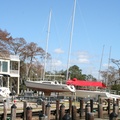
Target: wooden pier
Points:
(105, 109)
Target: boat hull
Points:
(95, 94)
(47, 87)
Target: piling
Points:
(81, 108)
(62, 112)
(24, 110)
(91, 104)
(100, 111)
(87, 110)
(74, 112)
(70, 106)
(13, 112)
(108, 108)
(48, 111)
(43, 107)
(57, 109)
(5, 110)
(28, 113)
(90, 116)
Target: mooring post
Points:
(91, 104)
(5, 110)
(81, 107)
(70, 106)
(90, 116)
(100, 111)
(48, 111)
(43, 107)
(13, 112)
(114, 114)
(62, 112)
(74, 112)
(28, 113)
(108, 108)
(87, 110)
(24, 110)
(57, 109)
(117, 102)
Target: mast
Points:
(71, 36)
(101, 63)
(47, 44)
(106, 82)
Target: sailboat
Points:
(49, 86)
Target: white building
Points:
(10, 68)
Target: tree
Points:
(75, 72)
(109, 75)
(4, 39)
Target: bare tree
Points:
(16, 45)
(30, 52)
(4, 39)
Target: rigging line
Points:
(43, 29)
(47, 44)
(84, 23)
(101, 63)
(71, 35)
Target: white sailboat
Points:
(49, 86)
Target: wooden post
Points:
(43, 107)
(108, 108)
(100, 111)
(91, 104)
(13, 112)
(116, 109)
(90, 116)
(5, 110)
(74, 112)
(24, 109)
(87, 110)
(28, 113)
(48, 111)
(117, 102)
(57, 110)
(70, 106)
(62, 112)
(81, 107)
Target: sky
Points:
(96, 31)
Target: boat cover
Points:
(76, 82)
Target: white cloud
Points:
(81, 57)
(56, 63)
(58, 51)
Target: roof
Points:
(76, 82)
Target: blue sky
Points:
(97, 24)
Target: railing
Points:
(14, 72)
(15, 57)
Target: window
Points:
(4, 66)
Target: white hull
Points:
(4, 93)
(49, 86)
(95, 94)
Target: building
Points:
(10, 71)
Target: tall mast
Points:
(47, 44)
(71, 36)
(106, 82)
(101, 63)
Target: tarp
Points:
(76, 82)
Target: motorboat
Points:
(4, 93)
